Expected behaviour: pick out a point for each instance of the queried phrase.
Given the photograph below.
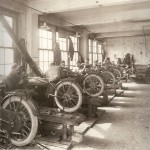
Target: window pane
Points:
(8, 56)
(41, 55)
(57, 36)
(75, 47)
(99, 57)
(51, 56)
(94, 57)
(45, 39)
(2, 70)
(44, 34)
(49, 35)
(44, 44)
(99, 48)
(90, 46)
(64, 56)
(45, 56)
(7, 69)
(1, 56)
(90, 58)
(64, 46)
(49, 44)
(40, 43)
(46, 65)
(1, 37)
(94, 47)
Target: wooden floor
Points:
(125, 124)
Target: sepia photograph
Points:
(75, 74)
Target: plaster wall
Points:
(136, 45)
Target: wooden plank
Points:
(63, 118)
(119, 92)
(83, 127)
(56, 144)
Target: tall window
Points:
(99, 51)
(95, 52)
(46, 55)
(63, 48)
(6, 49)
(76, 52)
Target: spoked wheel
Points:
(117, 73)
(25, 122)
(108, 77)
(68, 96)
(93, 85)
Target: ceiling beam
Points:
(11, 5)
(53, 6)
(110, 18)
(118, 27)
(123, 34)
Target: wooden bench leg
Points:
(105, 98)
(65, 132)
(71, 129)
(90, 111)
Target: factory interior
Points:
(75, 74)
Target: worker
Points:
(95, 66)
(62, 64)
(108, 62)
(79, 69)
(14, 79)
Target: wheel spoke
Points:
(59, 91)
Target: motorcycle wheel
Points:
(68, 96)
(28, 123)
(108, 77)
(93, 85)
(117, 73)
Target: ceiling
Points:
(107, 18)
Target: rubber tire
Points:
(112, 75)
(118, 72)
(77, 88)
(102, 85)
(34, 119)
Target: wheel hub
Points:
(67, 97)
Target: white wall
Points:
(138, 46)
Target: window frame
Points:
(94, 51)
(44, 64)
(6, 66)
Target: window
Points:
(63, 48)
(6, 49)
(90, 52)
(99, 51)
(76, 52)
(46, 55)
(94, 51)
